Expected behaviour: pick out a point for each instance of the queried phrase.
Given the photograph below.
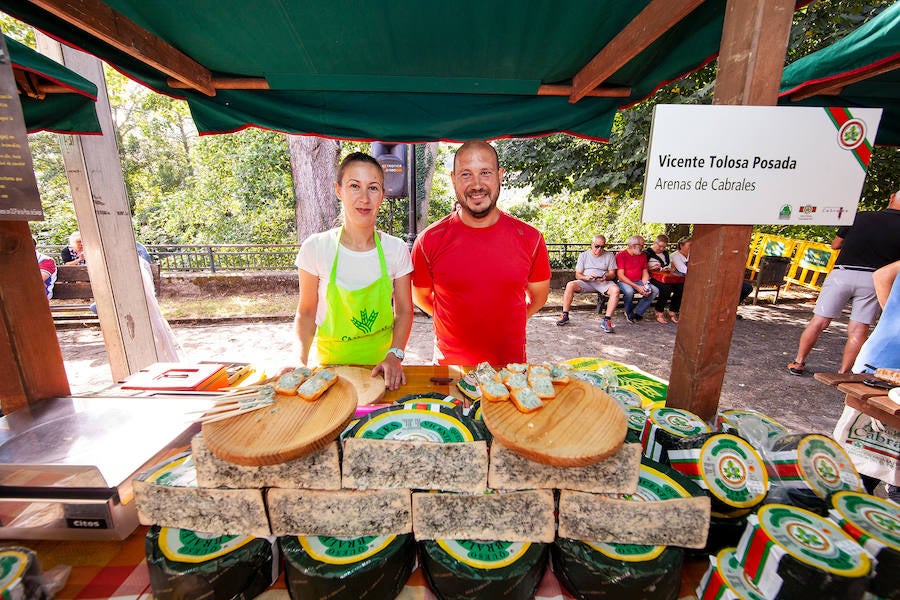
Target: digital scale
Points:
(66, 464)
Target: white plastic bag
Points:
(874, 447)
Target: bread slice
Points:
(601, 518)
(517, 367)
(559, 375)
(494, 391)
(313, 388)
(508, 517)
(538, 371)
(339, 513)
(542, 386)
(516, 381)
(525, 399)
(288, 383)
(617, 474)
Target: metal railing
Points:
(213, 258)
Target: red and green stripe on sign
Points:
(839, 116)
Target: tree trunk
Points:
(314, 164)
(426, 163)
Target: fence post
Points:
(212, 259)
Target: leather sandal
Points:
(661, 318)
(796, 368)
(673, 316)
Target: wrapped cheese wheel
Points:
(725, 579)
(427, 398)
(21, 576)
(750, 425)
(477, 418)
(808, 469)
(635, 417)
(727, 467)
(625, 397)
(472, 570)
(875, 524)
(788, 553)
(359, 568)
(427, 423)
(191, 564)
(665, 426)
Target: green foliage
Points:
(53, 186)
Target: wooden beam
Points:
(101, 21)
(833, 87)
(751, 58)
(228, 83)
(598, 92)
(658, 17)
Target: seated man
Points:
(594, 272)
(634, 278)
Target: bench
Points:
(73, 283)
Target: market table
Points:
(118, 570)
(867, 400)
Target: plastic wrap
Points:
(190, 564)
(666, 426)
(476, 570)
(361, 568)
(21, 576)
(428, 422)
(751, 425)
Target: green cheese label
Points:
(627, 552)
(625, 397)
(12, 565)
(414, 425)
(869, 517)
(733, 471)
(813, 540)
(654, 485)
(635, 418)
(484, 555)
(825, 467)
(678, 422)
(186, 546)
(178, 473)
(344, 550)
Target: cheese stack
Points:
(666, 426)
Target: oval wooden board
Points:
(369, 390)
(580, 426)
(289, 429)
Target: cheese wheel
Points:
(788, 553)
(421, 400)
(750, 425)
(21, 576)
(626, 397)
(427, 423)
(358, 568)
(723, 533)
(727, 467)
(473, 570)
(875, 524)
(725, 579)
(474, 413)
(635, 417)
(810, 468)
(664, 426)
(191, 564)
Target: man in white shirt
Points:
(594, 272)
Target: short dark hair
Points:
(355, 157)
(475, 144)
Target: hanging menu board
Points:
(19, 197)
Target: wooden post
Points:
(104, 219)
(751, 59)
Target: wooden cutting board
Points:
(289, 429)
(369, 390)
(580, 426)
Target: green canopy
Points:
(68, 108)
(867, 60)
(405, 70)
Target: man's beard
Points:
(478, 214)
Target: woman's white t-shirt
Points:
(355, 270)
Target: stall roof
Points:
(53, 97)
(860, 70)
(396, 71)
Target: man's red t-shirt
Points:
(479, 278)
(632, 264)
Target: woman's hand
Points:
(392, 368)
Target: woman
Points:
(348, 278)
(669, 283)
(73, 254)
(682, 256)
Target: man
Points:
(594, 272)
(871, 243)
(478, 271)
(634, 278)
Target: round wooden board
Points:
(369, 390)
(289, 429)
(580, 426)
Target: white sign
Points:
(757, 165)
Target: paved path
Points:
(756, 377)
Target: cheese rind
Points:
(615, 474)
(217, 511)
(339, 513)
(320, 470)
(379, 464)
(676, 522)
(508, 517)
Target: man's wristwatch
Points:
(398, 352)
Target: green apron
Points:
(359, 324)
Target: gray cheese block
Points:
(339, 513)
(216, 511)
(505, 517)
(372, 463)
(320, 470)
(616, 474)
(677, 522)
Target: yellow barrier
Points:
(811, 263)
(764, 244)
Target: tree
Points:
(314, 163)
